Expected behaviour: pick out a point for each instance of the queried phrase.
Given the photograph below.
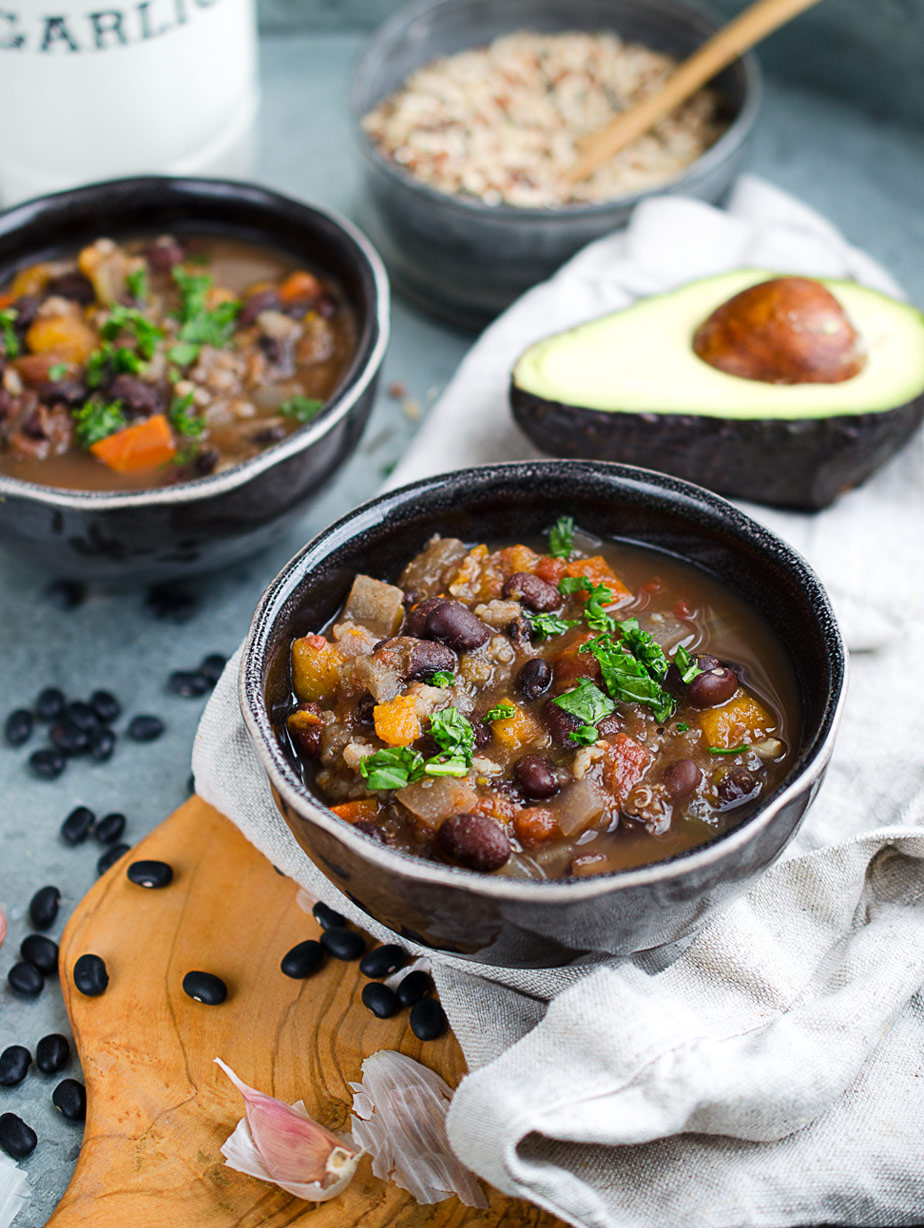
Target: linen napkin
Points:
(770, 1072)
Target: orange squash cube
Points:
(397, 722)
(315, 668)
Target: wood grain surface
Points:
(159, 1109)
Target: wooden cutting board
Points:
(159, 1109)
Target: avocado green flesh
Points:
(641, 360)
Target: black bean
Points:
(145, 728)
(413, 987)
(307, 736)
(714, 687)
(139, 399)
(263, 300)
(372, 830)
(41, 952)
(206, 461)
(428, 1019)
(69, 391)
(73, 285)
(559, 723)
(454, 624)
(737, 785)
(52, 1053)
(534, 678)
(151, 874)
(382, 961)
(163, 253)
(474, 841)
(682, 779)
(536, 776)
(707, 661)
(69, 738)
(327, 918)
(343, 943)
(113, 854)
(50, 704)
(170, 604)
(43, 907)
(70, 1099)
(379, 999)
(363, 713)
(428, 656)
(188, 683)
(65, 594)
(78, 825)
(25, 980)
(47, 764)
(90, 975)
(274, 349)
(190, 784)
(520, 633)
(106, 706)
(101, 745)
(81, 715)
(18, 727)
(609, 726)
(26, 308)
(205, 987)
(533, 592)
(16, 1138)
(110, 828)
(415, 624)
(213, 666)
(302, 960)
(14, 1065)
(483, 734)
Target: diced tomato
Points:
(598, 571)
(364, 810)
(515, 558)
(535, 824)
(571, 664)
(682, 610)
(624, 765)
(496, 806)
(549, 569)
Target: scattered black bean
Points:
(14, 1065)
(372, 830)
(170, 604)
(102, 744)
(302, 960)
(263, 300)
(47, 764)
(559, 723)
(536, 776)
(190, 784)
(163, 253)
(213, 666)
(327, 918)
(25, 980)
(70, 1099)
(52, 1053)
(534, 678)
(205, 987)
(16, 1138)
(41, 952)
(18, 727)
(415, 624)
(152, 874)
(138, 398)
(428, 1019)
(379, 999)
(66, 594)
(73, 285)
(145, 728)
(382, 961)
(111, 856)
(90, 975)
(413, 987)
(532, 591)
(43, 907)
(343, 943)
(69, 738)
(106, 706)
(78, 825)
(109, 828)
(473, 841)
(82, 715)
(682, 779)
(188, 683)
(716, 686)
(737, 785)
(426, 657)
(50, 704)
(454, 624)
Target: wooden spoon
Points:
(743, 32)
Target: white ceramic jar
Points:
(95, 89)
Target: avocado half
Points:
(629, 387)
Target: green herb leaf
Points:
(502, 712)
(644, 648)
(453, 733)
(10, 339)
(686, 664)
(587, 702)
(626, 679)
(58, 370)
(442, 677)
(131, 320)
(184, 418)
(585, 736)
(545, 625)
(199, 324)
(573, 584)
(137, 283)
(731, 750)
(97, 419)
(440, 765)
(302, 409)
(392, 768)
(183, 354)
(681, 727)
(560, 538)
(598, 597)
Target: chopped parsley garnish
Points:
(393, 768)
(544, 625)
(446, 765)
(586, 702)
(97, 419)
(442, 677)
(681, 727)
(560, 538)
(627, 679)
(117, 359)
(57, 371)
(131, 320)
(644, 648)
(10, 340)
(686, 664)
(396, 767)
(585, 736)
(731, 750)
(184, 418)
(598, 596)
(200, 324)
(302, 409)
(184, 353)
(502, 712)
(453, 733)
(137, 283)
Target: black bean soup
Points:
(568, 709)
(143, 363)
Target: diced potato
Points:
(397, 722)
(68, 337)
(354, 641)
(364, 809)
(378, 678)
(578, 805)
(515, 731)
(742, 719)
(431, 570)
(315, 668)
(375, 605)
(431, 801)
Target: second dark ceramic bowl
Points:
(513, 922)
(167, 532)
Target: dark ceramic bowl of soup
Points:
(184, 363)
(529, 750)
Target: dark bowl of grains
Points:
(467, 115)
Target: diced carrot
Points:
(5, 300)
(535, 824)
(515, 558)
(598, 571)
(145, 445)
(315, 667)
(624, 764)
(363, 810)
(300, 285)
(742, 719)
(397, 722)
(517, 730)
(68, 337)
(549, 569)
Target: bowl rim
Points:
(667, 490)
(365, 365)
(725, 147)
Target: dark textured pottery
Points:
(466, 260)
(153, 535)
(516, 923)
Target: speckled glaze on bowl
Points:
(164, 533)
(467, 261)
(513, 922)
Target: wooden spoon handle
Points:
(748, 28)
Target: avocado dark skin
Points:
(800, 464)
